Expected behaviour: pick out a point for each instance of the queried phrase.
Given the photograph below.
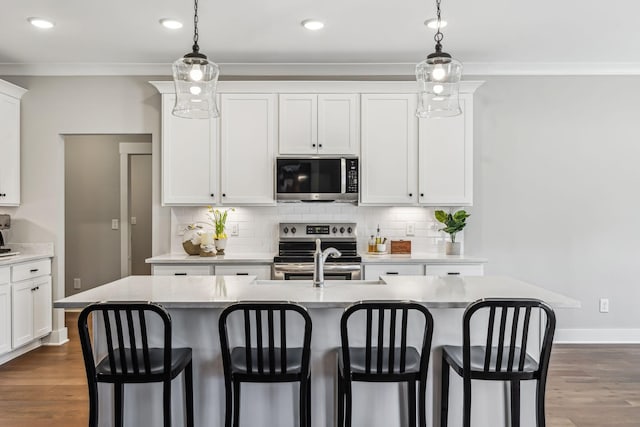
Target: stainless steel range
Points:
(297, 246)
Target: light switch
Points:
(115, 224)
(134, 220)
(234, 229)
(411, 229)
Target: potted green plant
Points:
(219, 219)
(454, 222)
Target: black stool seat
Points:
(180, 358)
(358, 359)
(478, 354)
(293, 363)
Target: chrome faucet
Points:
(319, 258)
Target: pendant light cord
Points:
(439, 36)
(196, 48)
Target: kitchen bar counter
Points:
(27, 252)
(195, 304)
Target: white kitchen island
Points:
(195, 303)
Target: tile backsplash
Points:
(258, 226)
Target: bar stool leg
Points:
(422, 396)
(236, 403)
(444, 394)
(540, 393)
(188, 385)
(411, 385)
(309, 402)
(515, 403)
(118, 403)
(166, 403)
(340, 400)
(93, 404)
(303, 403)
(228, 396)
(466, 419)
(347, 390)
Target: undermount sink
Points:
(327, 283)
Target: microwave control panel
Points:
(352, 175)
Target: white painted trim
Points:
(323, 69)
(11, 89)
(20, 351)
(597, 336)
(127, 149)
(57, 337)
(316, 86)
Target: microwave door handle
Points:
(343, 175)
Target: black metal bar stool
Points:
(266, 354)
(383, 359)
(129, 358)
(509, 360)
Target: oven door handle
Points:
(343, 175)
(308, 268)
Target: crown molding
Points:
(11, 89)
(390, 70)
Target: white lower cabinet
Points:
(5, 316)
(31, 310)
(262, 272)
(182, 270)
(374, 271)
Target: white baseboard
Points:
(597, 336)
(57, 337)
(20, 351)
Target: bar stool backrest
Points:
(264, 326)
(386, 337)
(507, 334)
(126, 335)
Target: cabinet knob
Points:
(224, 195)
(313, 145)
(212, 195)
(320, 145)
(421, 194)
(410, 194)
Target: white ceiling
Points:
(261, 36)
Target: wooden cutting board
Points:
(401, 246)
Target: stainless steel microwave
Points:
(317, 179)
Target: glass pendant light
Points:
(438, 79)
(195, 78)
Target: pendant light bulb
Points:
(195, 90)
(437, 89)
(196, 73)
(438, 73)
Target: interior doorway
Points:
(94, 221)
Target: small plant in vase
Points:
(454, 222)
(219, 219)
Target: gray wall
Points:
(92, 200)
(555, 185)
(140, 204)
(556, 188)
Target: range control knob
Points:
(286, 230)
(342, 230)
(334, 230)
(349, 230)
(293, 230)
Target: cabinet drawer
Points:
(262, 272)
(182, 270)
(455, 270)
(29, 270)
(5, 277)
(374, 271)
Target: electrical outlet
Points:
(134, 220)
(411, 229)
(234, 229)
(115, 224)
(604, 305)
(180, 229)
(77, 283)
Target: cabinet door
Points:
(446, 158)
(189, 158)
(5, 318)
(248, 123)
(374, 271)
(338, 124)
(22, 312)
(389, 147)
(298, 119)
(42, 307)
(10, 149)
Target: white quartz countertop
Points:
(27, 252)
(231, 258)
(218, 291)
(418, 258)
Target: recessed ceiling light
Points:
(172, 24)
(41, 23)
(313, 24)
(433, 23)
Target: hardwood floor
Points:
(589, 386)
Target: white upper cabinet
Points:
(389, 149)
(10, 143)
(248, 132)
(189, 158)
(446, 158)
(319, 124)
